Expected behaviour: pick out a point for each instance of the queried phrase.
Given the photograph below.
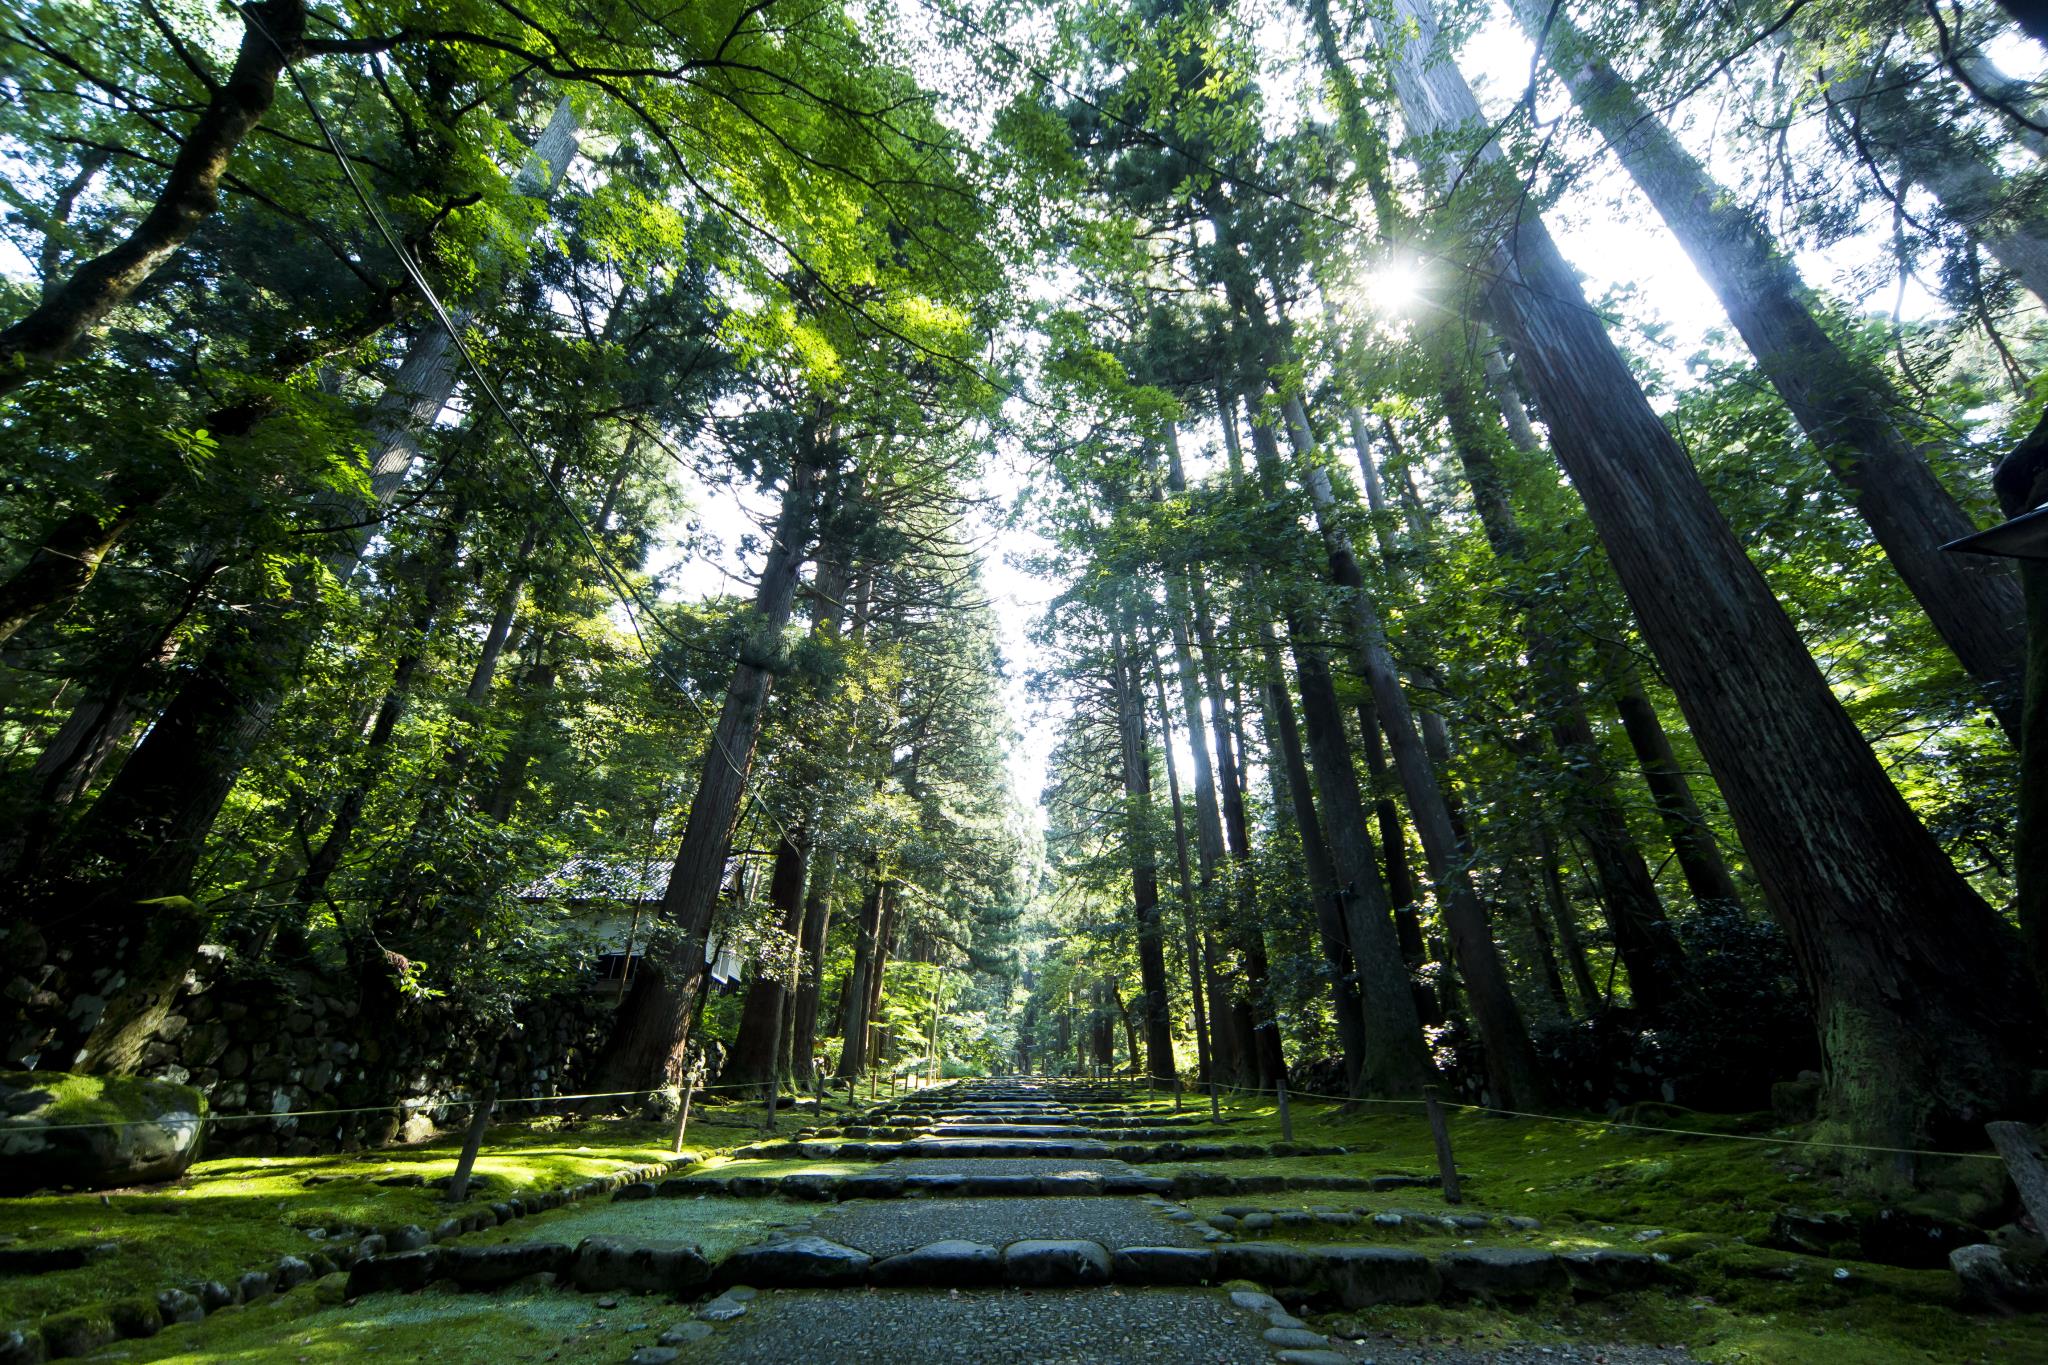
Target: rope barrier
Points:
(1619, 1124)
(1292, 1094)
(467, 1103)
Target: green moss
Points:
(516, 1324)
(99, 1099)
(775, 1169)
(715, 1224)
(78, 1331)
(234, 1214)
(1593, 1184)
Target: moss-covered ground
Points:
(1710, 1199)
(716, 1224)
(234, 1214)
(1593, 1184)
(515, 1324)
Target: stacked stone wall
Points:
(285, 1044)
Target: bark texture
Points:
(1844, 405)
(1925, 1019)
(272, 32)
(654, 1020)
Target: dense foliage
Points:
(1452, 663)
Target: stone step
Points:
(1340, 1275)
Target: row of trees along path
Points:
(345, 415)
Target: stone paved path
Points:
(1080, 1251)
(1046, 1326)
(995, 1227)
(883, 1227)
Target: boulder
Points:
(948, 1263)
(79, 1332)
(1295, 1339)
(1037, 1262)
(1816, 1234)
(177, 1305)
(810, 1189)
(798, 1263)
(871, 1185)
(488, 1267)
(401, 1271)
(1272, 1264)
(410, 1237)
(135, 1316)
(142, 1131)
(1361, 1276)
(1164, 1265)
(603, 1263)
(1991, 1280)
(1499, 1272)
(1607, 1271)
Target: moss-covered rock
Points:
(95, 1132)
(77, 1333)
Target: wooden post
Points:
(472, 1143)
(1176, 1092)
(938, 991)
(683, 1124)
(1215, 1110)
(1442, 1134)
(2015, 1142)
(1286, 1114)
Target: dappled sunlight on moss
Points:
(715, 1224)
(240, 1213)
(516, 1324)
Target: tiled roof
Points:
(620, 879)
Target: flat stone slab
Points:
(979, 1131)
(921, 1148)
(1018, 1165)
(1049, 1262)
(799, 1262)
(949, 1263)
(887, 1228)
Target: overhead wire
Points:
(623, 591)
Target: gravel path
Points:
(1405, 1353)
(883, 1227)
(994, 1327)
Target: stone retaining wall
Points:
(289, 1042)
